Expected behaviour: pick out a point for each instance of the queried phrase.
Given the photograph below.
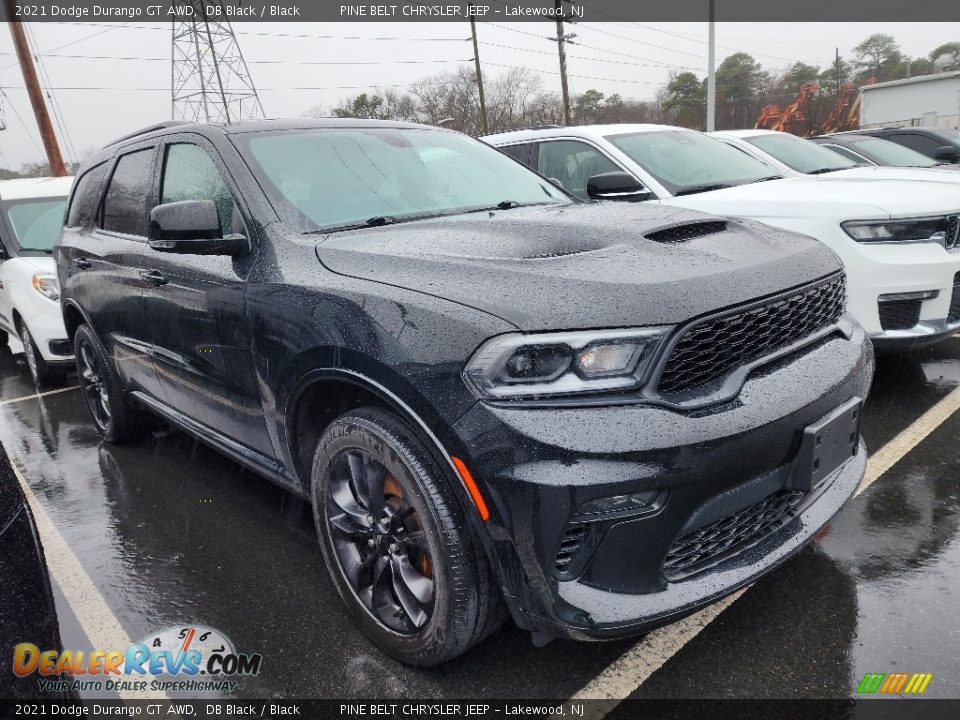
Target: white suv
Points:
(899, 240)
(31, 217)
(792, 156)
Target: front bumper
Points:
(539, 466)
(876, 270)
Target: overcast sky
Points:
(631, 59)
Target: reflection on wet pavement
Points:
(171, 532)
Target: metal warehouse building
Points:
(926, 100)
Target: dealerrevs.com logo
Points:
(185, 658)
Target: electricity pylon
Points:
(209, 78)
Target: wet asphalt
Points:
(171, 532)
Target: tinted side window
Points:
(572, 163)
(189, 173)
(849, 154)
(124, 207)
(86, 197)
(921, 143)
(522, 152)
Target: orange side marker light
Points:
(471, 487)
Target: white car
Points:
(31, 217)
(899, 241)
(792, 156)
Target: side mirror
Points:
(191, 227)
(948, 154)
(616, 186)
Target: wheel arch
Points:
(303, 431)
(73, 317)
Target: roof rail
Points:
(151, 128)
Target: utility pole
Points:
(711, 73)
(838, 84)
(476, 60)
(49, 138)
(561, 42)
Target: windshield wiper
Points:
(375, 221)
(769, 177)
(706, 187)
(507, 204)
(821, 171)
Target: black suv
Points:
(497, 398)
(940, 144)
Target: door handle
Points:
(154, 277)
(82, 263)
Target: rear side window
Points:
(124, 206)
(86, 197)
(915, 141)
(189, 173)
(522, 152)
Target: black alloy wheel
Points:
(96, 392)
(114, 414)
(399, 547)
(379, 541)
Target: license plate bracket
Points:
(827, 444)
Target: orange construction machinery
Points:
(801, 117)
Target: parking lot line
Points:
(39, 395)
(98, 621)
(636, 665)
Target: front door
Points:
(195, 308)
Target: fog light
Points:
(922, 295)
(638, 503)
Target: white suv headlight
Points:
(566, 363)
(944, 230)
(47, 285)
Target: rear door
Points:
(196, 303)
(105, 263)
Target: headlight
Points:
(567, 363)
(941, 230)
(47, 285)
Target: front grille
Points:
(899, 314)
(573, 538)
(704, 547)
(681, 233)
(954, 313)
(710, 349)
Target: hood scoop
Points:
(687, 231)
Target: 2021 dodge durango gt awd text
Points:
(497, 398)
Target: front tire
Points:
(400, 551)
(116, 417)
(40, 371)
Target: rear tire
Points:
(394, 537)
(41, 372)
(117, 418)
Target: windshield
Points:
(685, 161)
(331, 178)
(36, 224)
(801, 155)
(891, 153)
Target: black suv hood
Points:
(581, 266)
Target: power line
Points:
(258, 62)
(54, 102)
(26, 129)
(307, 36)
(604, 50)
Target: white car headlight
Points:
(565, 363)
(47, 285)
(943, 230)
